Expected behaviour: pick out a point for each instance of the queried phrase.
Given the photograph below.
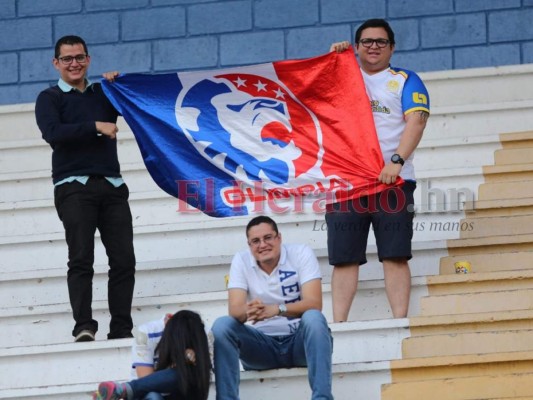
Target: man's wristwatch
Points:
(282, 309)
(397, 159)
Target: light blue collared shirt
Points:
(65, 87)
(116, 182)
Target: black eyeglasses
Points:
(267, 239)
(67, 60)
(381, 43)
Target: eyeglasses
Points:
(67, 60)
(381, 43)
(267, 239)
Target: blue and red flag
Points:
(274, 137)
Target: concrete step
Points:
(34, 182)
(487, 262)
(23, 186)
(40, 216)
(52, 323)
(513, 156)
(500, 208)
(510, 172)
(21, 181)
(501, 398)
(38, 154)
(499, 384)
(477, 302)
(22, 116)
(452, 120)
(493, 244)
(495, 118)
(479, 282)
(378, 341)
(172, 240)
(37, 185)
(173, 276)
(500, 191)
(362, 380)
(459, 334)
(450, 367)
(187, 239)
(480, 227)
(478, 85)
(37, 214)
(478, 322)
(156, 208)
(516, 139)
(36, 238)
(178, 276)
(449, 344)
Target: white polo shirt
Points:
(297, 266)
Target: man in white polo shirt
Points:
(275, 318)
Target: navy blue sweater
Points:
(67, 123)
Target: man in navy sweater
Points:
(79, 123)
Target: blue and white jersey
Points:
(393, 94)
(297, 265)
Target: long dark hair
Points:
(185, 330)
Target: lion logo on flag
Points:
(251, 127)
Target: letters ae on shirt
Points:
(297, 266)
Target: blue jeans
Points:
(151, 386)
(154, 396)
(310, 346)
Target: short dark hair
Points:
(262, 219)
(375, 23)
(69, 40)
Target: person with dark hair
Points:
(182, 369)
(144, 350)
(79, 123)
(275, 318)
(400, 106)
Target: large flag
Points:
(277, 137)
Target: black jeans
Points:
(83, 209)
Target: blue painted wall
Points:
(173, 35)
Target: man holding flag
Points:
(79, 123)
(400, 106)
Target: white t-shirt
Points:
(147, 337)
(297, 266)
(393, 94)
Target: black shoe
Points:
(119, 336)
(84, 336)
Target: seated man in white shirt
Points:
(275, 318)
